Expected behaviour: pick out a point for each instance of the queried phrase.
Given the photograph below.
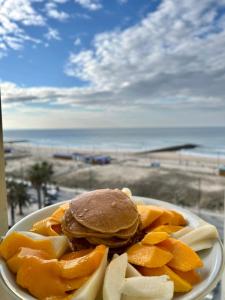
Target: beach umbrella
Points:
(3, 199)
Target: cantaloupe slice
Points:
(55, 246)
(153, 238)
(184, 258)
(15, 262)
(167, 228)
(47, 227)
(41, 277)
(84, 265)
(58, 214)
(51, 226)
(192, 277)
(165, 219)
(75, 283)
(76, 254)
(178, 219)
(90, 289)
(148, 214)
(169, 217)
(180, 284)
(148, 256)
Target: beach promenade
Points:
(187, 180)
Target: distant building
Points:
(222, 170)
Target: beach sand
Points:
(182, 179)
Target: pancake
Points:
(105, 210)
(112, 242)
(71, 227)
(74, 229)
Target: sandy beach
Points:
(182, 179)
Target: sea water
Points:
(210, 140)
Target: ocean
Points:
(210, 140)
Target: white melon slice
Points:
(202, 245)
(130, 271)
(155, 287)
(60, 243)
(125, 297)
(114, 278)
(201, 237)
(204, 232)
(92, 286)
(178, 234)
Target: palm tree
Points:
(47, 170)
(40, 174)
(23, 197)
(12, 199)
(16, 195)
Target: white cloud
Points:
(53, 12)
(20, 11)
(174, 55)
(14, 15)
(52, 34)
(90, 4)
(122, 1)
(77, 42)
(60, 1)
(173, 59)
(82, 16)
(17, 15)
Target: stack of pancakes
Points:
(103, 216)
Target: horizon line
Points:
(120, 127)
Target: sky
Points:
(112, 63)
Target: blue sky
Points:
(114, 63)
(44, 64)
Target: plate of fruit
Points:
(109, 245)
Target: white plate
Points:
(213, 258)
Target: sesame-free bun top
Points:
(104, 210)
